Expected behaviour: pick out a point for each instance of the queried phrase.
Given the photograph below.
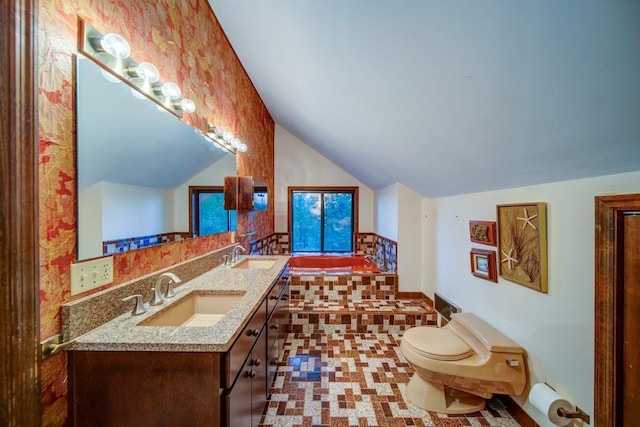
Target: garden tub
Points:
(320, 264)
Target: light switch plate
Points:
(87, 275)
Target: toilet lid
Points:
(436, 343)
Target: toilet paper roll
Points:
(547, 401)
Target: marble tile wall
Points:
(383, 249)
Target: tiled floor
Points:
(347, 379)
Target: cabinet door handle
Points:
(257, 362)
(273, 326)
(251, 374)
(253, 332)
(274, 297)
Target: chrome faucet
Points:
(236, 252)
(140, 307)
(158, 297)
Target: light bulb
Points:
(148, 71)
(235, 143)
(171, 90)
(108, 76)
(115, 45)
(137, 94)
(242, 148)
(188, 106)
(227, 136)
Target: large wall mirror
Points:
(136, 162)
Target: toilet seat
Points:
(436, 343)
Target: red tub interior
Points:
(333, 264)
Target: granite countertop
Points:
(125, 334)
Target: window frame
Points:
(324, 189)
(194, 217)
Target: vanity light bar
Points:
(112, 51)
(226, 139)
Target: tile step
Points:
(384, 316)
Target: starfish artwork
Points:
(526, 220)
(508, 258)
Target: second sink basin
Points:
(256, 262)
(195, 309)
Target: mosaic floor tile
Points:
(355, 379)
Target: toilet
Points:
(461, 364)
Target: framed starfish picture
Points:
(522, 244)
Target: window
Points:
(322, 219)
(208, 215)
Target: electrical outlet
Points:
(91, 274)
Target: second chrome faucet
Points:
(235, 252)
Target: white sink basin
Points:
(255, 262)
(196, 309)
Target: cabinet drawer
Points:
(274, 295)
(235, 357)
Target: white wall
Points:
(90, 222)
(130, 210)
(297, 164)
(409, 240)
(429, 246)
(387, 212)
(399, 218)
(556, 329)
(213, 175)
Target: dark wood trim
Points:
(19, 296)
(608, 321)
(356, 206)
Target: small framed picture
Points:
(483, 232)
(483, 264)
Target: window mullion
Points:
(322, 221)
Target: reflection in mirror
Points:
(259, 195)
(245, 193)
(208, 213)
(135, 165)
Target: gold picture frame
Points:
(522, 244)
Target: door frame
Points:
(19, 264)
(608, 297)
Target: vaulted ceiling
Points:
(449, 97)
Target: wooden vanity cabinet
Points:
(122, 389)
(277, 325)
(234, 359)
(133, 388)
(246, 399)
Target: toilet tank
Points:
(491, 338)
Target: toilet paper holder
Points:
(578, 413)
